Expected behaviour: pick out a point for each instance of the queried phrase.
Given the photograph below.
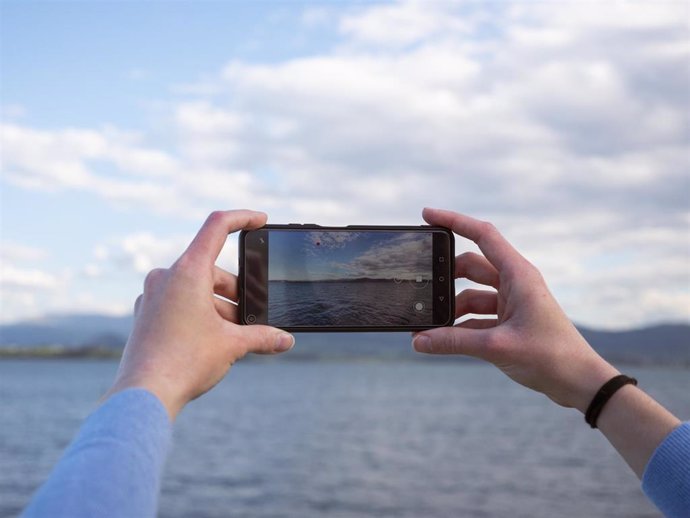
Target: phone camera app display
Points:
(355, 278)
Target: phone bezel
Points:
(443, 311)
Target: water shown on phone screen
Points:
(349, 278)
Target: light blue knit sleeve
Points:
(113, 467)
(666, 479)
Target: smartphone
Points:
(354, 278)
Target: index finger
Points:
(493, 245)
(209, 241)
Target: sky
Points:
(299, 256)
(566, 124)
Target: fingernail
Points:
(284, 342)
(422, 343)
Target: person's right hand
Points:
(185, 338)
(531, 340)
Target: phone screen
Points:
(334, 278)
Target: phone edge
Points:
(330, 329)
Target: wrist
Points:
(595, 374)
(173, 404)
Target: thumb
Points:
(265, 339)
(452, 340)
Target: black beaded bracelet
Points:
(604, 394)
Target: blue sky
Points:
(124, 123)
(86, 63)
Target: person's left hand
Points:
(184, 338)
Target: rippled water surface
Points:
(346, 439)
(364, 303)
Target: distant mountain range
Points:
(74, 330)
(101, 335)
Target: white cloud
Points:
(12, 277)
(395, 258)
(134, 255)
(20, 269)
(94, 160)
(24, 289)
(208, 133)
(106, 282)
(29, 305)
(402, 24)
(18, 252)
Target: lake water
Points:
(364, 303)
(345, 439)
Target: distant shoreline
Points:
(59, 352)
(328, 355)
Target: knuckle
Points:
(486, 232)
(251, 339)
(528, 272)
(443, 344)
(487, 228)
(267, 340)
(216, 216)
(153, 277)
(462, 300)
(534, 272)
(455, 220)
(453, 344)
(462, 263)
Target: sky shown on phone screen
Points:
(296, 256)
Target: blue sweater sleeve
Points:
(114, 465)
(666, 479)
